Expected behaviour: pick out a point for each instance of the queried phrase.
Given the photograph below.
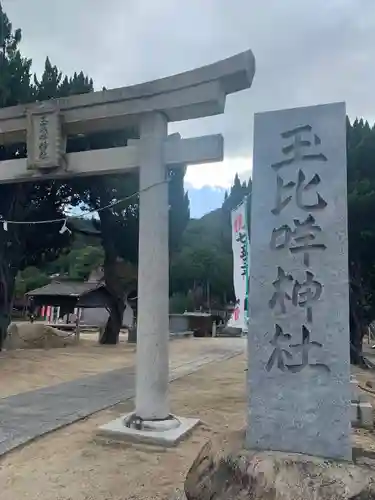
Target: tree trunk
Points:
(11, 251)
(4, 323)
(112, 329)
(115, 281)
(356, 338)
(357, 321)
(7, 283)
(117, 303)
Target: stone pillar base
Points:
(165, 433)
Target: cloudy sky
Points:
(307, 52)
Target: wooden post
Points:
(78, 332)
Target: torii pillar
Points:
(153, 273)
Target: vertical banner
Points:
(240, 247)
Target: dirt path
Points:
(29, 415)
(29, 369)
(73, 464)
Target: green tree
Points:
(203, 266)
(22, 245)
(361, 230)
(14, 69)
(179, 213)
(29, 279)
(205, 259)
(83, 261)
(236, 194)
(117, 225)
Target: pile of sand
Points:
(36, 336)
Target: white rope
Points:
(64, 220)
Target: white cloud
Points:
(306, 52)
(218, 174)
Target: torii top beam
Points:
(192, 94)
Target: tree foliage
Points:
(23, 245)
(203, 267)
(117, 225)
(361, 229)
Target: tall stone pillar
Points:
(153, 273)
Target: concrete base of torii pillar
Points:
(166, 433)
(152, 421)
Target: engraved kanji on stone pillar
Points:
(46, 141)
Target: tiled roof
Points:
(65, 288)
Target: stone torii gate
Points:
(148, 107)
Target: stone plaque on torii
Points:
(148, 107)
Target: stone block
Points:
(366, 415)
(298, 347)
(354, 414)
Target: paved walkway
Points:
(28, 415)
